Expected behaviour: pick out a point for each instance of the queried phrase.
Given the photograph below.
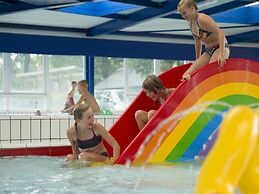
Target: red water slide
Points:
(125, 129)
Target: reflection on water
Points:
(51, 175)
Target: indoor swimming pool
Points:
(52, 175)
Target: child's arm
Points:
(82, 98)
(75, 149)
(193, 67)
(109, 139)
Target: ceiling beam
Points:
(11, 6)
(137, 17)
(153, 35)
(252, 36)
(146, 3)
(244, 37)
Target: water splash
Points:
(172, 121)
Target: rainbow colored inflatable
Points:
(186, 125)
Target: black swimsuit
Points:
(205, 34)
(89, 143)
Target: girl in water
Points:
(204, 30)
(86, 97)
(154, 89)
(86, 137)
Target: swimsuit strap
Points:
(94, 132)
(197, 25)
(198, 21)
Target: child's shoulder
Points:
(71, 131)
(203, 18)
(98, 126)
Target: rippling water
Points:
(52, 175)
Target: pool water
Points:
(52, 175)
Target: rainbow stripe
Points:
(237, 84)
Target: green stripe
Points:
(202, 121)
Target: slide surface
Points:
(177, 133)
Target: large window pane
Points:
(27, 102)
(1, 72)
(109, 83)
(63, 70)
(3, 102)
(168, 64)
(26, 72)
(137, 70)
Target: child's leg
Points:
(202, 60)
(141, 118)
(216, 53)
(150, 114)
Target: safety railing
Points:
(28, 129)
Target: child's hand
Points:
(64, 111)
(71, 157)
(221, 60)
(186, 77)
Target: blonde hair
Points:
(152, 83)
(83, 83)
(188, 3)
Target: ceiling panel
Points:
(52, 18)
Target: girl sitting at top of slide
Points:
(204, 30)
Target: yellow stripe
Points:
(183, 126)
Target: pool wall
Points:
(39, 135)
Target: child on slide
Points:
(154, 89)
(204, 30)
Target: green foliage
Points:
(56, 61)
(105, 66)
(168, 64)
(142, 66)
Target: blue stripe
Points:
(202, 138)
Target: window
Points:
(62, 71)
(168, 64)
(118, 81)
(109, 83)
(29, 81)
(1, 72)
(27, 103)
(136, 71)
(26, 72)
